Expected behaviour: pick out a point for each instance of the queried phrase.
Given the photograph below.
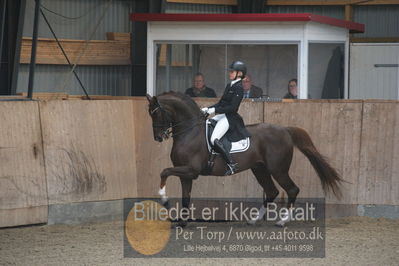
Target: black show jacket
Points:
(228, 105)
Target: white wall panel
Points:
(368, 81)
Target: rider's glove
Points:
(211, 110)
(208, 111)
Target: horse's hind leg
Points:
(265, 180)
(285, 181)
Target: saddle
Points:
(232, 147)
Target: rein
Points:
(168, 131)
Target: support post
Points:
(348, 12)
(33, 52)
(12, 14)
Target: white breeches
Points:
(221, 127)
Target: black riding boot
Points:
(218, 146)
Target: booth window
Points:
(270, 66)
(326, 70)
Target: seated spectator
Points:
(250, 90)
(292, 90)
(199, 88)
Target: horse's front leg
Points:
(185, 172)
(186, 185)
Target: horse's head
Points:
(172, 111)
(161, 119)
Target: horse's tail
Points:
(329, 177)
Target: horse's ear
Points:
(155, 100)
(149, 98)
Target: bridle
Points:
(169, 125)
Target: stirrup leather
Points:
(232, 169)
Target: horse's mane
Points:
(180, 97)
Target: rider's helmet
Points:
(239, 66)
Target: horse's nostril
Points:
(158, 138)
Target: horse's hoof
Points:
(251, 222)
(182, 223)
(179, 223)
(280, 224)
(174, 226)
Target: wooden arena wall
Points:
(60, 152)
(56, 152)
(23, 191)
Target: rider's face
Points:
(232, 74)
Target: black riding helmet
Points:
(239, 66)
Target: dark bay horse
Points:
(269, 155)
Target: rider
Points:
(227, 114)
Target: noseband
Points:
(167, 125)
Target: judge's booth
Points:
(275, 47)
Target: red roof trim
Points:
(352, 26)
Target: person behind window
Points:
(250, 90)
(199, 88)
(292, 90)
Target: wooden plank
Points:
(64, 96)
(335, 130)
(119, 36)
(348, 12)
(100, 97)
(374, 40)
(379, 168)
(89, 150)
(380, 101)
(12, 97)
(23, 195)
(321, 101)
(47, 95)
(98, 52)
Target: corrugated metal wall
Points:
(107, 80)
(197, 8)
(98, 80)
(331, 11)
(380, 21)
(87, 13)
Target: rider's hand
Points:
(204, 110)
(211, 110)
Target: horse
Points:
(269, 155)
